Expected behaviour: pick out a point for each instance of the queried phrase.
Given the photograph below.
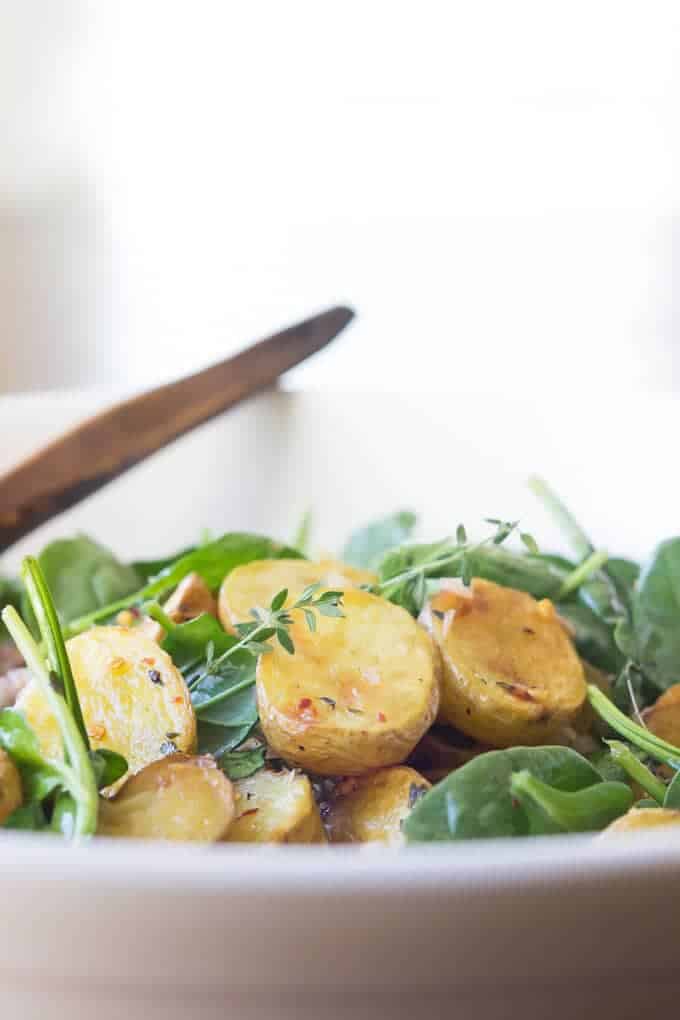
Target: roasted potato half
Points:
(11, 794)
(276, 807)
(256, 584)
(178, 798)
(358, 694)
(643, 818)
(133, 698)
(663, 717)
(511, 675)
(371, 809)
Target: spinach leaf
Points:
(240, 764)
(11, 593)
(212, 561)
(672, 799)
(146, 569)
(587, 810)
(656, 616)
(476, 801)
(217, 740)
(593, 637)
(83, 575)
(109, 767)
(367, 546)
(223, 696)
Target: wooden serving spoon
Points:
(101, 448)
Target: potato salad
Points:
(397, 692)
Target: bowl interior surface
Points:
(385, 919)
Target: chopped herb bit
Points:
(155, 677)
(329, 701)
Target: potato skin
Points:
(179, 798)
(358, 694)
(11, 794)
(638, 819)
(663, 717)
(256, 584)
(371, 809)
(134, 700)
(276, 807)
(511, 675)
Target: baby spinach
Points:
(586, 810)
(83, 575)
(367, 546)
(212, 561)
(477, 801)
(672, 798)
(11, 593)
(636, 770)
(243, 763)
(656, 616)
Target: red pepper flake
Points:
(148, 661)
(382, 717)
(304, 703)
(252, 811)
(178, 700)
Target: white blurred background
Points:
(494, 186)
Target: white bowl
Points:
(544, 927)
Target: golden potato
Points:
(276, 807)
(511, 675)
(371, 809)
(11, 794)
(133, 698)
(643, 818)
(190, 599)
(358, 694)
(663, 717)
(177, 798)
(256, 584)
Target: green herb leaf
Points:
(476, 801)
(367, 546)
(240, 764)
(83, 575)
(587, 810)
(672, 798)
(656, 616)
(109, 767)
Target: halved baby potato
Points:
(643, 818)
(276, 807)
(358, 694)
(11, 794)
(178, 798)
(134, 700)
(256, 584)
(663, 717)
(371, 809)
(511, 674)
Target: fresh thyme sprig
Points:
(272, 623)
(404, 573)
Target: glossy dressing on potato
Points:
(256, 583)
(276, 807)
(358, 694)
(179, 798)
(372, 808)
(511, 675)
(134, 700)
